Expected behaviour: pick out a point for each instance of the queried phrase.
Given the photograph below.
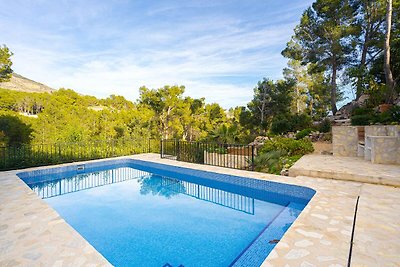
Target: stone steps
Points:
(346, 168)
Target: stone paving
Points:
(346, 168)
(33, 234)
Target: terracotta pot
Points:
(384, 107)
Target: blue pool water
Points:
(138, 213)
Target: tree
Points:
(5, 64)
(321, 40)
(386, 65)
(302, 82)
(311, 91)
(270, 98)
(168, 105)
(369, 18)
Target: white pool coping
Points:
(32, 233)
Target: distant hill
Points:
(20, 83)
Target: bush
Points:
(290, 123)
(367, 116)
(392, 116)
(290, 146)
(363, 116)
(269, 162)
(359, 120)
(362, 111)
(281, 153)
(303, 133)
(325, 126)
(299, 122)
(280, 126)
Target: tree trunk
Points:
(386, 64)
(362, 63)
(333, 88)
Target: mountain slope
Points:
(20, 83)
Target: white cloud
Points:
(201, 52)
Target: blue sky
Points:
(217, 49)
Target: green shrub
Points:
(303, 133)
(280, 125)
(365, 119)
(290, 146)
(392, 116)
(327, 137)
(362, 111)
(290, 123)
(269, 162)
(325, 126)
(363, 116)
(299, 122)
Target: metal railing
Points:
(233, 156)
(33, 155)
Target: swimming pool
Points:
(138, 213)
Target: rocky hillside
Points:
(20, 83)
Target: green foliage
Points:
(270, 99)
(290, 146)
(281, 153)
(224, 134)
(325, 126)
(320, 40)
(290, 123)
(13, 130)
(303, 133)
(269, 162)
(5, 64)
(280, 125)
(363, 116)
(391, 116)
(360, 120)
(367, 116)
(30, 155)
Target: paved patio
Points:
(346, 168)
(33, 234)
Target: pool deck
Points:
(33, 234)
(346, 168)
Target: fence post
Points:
(177, 149)
(252, 157)
(148, 151)
(161, 148)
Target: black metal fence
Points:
(32, 155)
(224, 155)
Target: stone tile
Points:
(346, 168)
(33, 234)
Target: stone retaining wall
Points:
(345, 141)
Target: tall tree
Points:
(270, 98)
(298, 74)
(5, 64)
(386, 65)
(169, 107)
(321, 36)
(369, 19)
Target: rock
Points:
(259, 141)
(344, 113)
(291, 135)
(362, 100)
(285, 172)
